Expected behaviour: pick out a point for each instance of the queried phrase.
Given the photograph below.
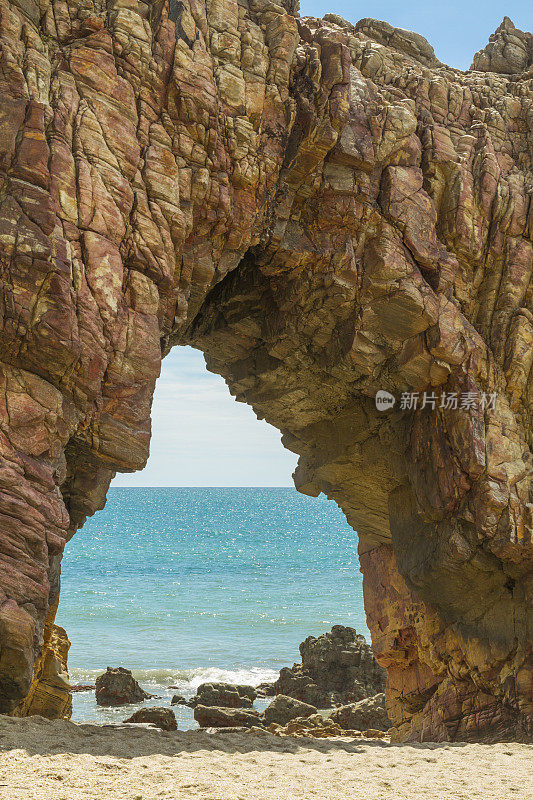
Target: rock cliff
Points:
(326, 210)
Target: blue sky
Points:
(201, 436)
(456, 30)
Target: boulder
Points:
(337, 668)
(314, 726)
(368, 714)
(217, 717)
(265, 690)
(160, 717)
(283, 709)
(227, 695)
(179, 700)
(118, 687)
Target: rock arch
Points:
(325, 210)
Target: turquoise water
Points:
(184, 585)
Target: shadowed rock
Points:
(282, 709)
(337, 667)
(227, 695)
(215, 717)
(118, 687)
(367, 714)
(509, 51)
(160, 717)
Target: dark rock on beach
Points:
(118, 687)
(337, 668)
(265, 690)
(227, 695)
(83, 687)
(283, 709)
(160, 717)
(369, 713)
(217, 717)
(179, 700)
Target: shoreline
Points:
(44, 759)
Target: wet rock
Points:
(217, 717)
(227, 695)
(83, 687)
(179, 700)
(367, 714)
(282, 709)
(118, 687)
(265, 690)
(160, 717)
(337, 668)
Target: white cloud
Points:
(202, 437)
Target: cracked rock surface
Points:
(326, 211)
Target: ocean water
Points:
(185, 585)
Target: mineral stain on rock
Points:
(326, 211)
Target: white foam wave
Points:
(187, 680)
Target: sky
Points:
(200, 435)
(456, 30)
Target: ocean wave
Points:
(186, 680)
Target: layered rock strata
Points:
(326, 210)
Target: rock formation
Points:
(227, 695)
(282, 709)
(163, 718)
(327, 211)
(118, 687)
(337, 667)
(50, 691)
(217, 717)
(366, 714)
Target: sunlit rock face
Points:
(325, 210)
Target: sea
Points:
(185, 585)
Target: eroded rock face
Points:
(326, 211)
(337, 668)
(50, 692)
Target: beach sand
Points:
(41, 760)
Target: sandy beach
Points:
(41, 760)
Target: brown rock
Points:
(215, 717)
(118, 687)
(337, 667)
(326, 211)
(282, 709)
(227, 695)
(50, 692)
(160, 717)
(366, 714)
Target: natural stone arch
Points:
(325, 210)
